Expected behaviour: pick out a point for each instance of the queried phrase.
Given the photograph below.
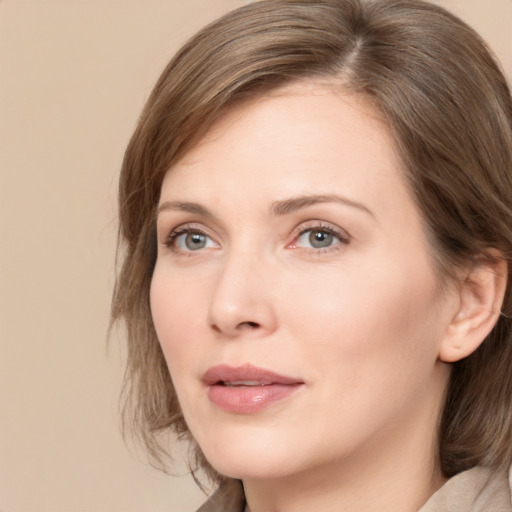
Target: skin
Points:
(361, 321)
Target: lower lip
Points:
(250, 399)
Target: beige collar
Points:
(476, 490)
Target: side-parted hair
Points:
(446, 103)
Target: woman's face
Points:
(293, 293)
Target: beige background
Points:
(74, 75)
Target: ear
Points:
(480, 297)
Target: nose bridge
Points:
(241, 299)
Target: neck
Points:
(366, 487)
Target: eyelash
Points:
(341, 236)
(182, 230)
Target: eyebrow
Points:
(184, 206)
(296, 203)
(278, 208)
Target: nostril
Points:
(238, 328)
(248, 325)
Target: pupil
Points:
(319, 239)
(195, 241)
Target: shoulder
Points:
(475, 490)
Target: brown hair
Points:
(450, 110)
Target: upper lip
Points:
(222, 374)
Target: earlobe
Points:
(480, 297)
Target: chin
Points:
(246, 454)
(241, 467)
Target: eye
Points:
(189, 239)
(320, 237)
(317, 238)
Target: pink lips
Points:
(247, 389)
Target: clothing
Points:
(229, 497)
(475, 490)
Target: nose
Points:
(242, 301)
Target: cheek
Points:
(174, 308)
(370, 342)
(367, 314)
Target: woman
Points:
(315, 211)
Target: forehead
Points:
(299, 139)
